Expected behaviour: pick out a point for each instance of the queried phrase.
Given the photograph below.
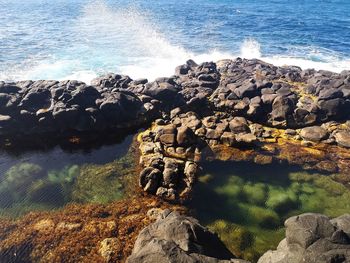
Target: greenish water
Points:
(49, 179)
(247, 204)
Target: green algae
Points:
(246, 198)
(28, 187)
(17, 178)
(238, 238)
(103, 183)
(98, 184)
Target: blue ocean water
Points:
(80, 39)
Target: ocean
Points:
(81, 39)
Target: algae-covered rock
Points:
(66, 175)
(16, 181)
(235, 237)
(263, 217)
(281, 200)
(102, 183)
(232, 188)
(18, 177)
(255, 193)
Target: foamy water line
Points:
(128, 41)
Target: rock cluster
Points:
(175, 238)
(286, 97)
(283, 97)
(313, 238)
(172, 148)
(238, 103)
(309, 238)
(168, 158)
(36, 107)
(241, 103)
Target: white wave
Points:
(250, 48)
(334, 66)
(129, 41)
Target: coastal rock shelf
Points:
(41, 107)
(283, 97)
(231, 110)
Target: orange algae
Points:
(321, 157)
(75, 233)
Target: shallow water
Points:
(248, 203)
(65, 39)
(42, 180)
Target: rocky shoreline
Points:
(240, 110)
(281, 97)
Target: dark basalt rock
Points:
(174, 238)
(51, 106)
(283, 97)
(313, 238)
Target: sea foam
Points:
(128, 40)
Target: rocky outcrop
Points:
(237, 103)
(171, 150)
(39, 107)
(313, 238)
(282, 97)
(174, 238)
(245, 104)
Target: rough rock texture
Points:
(313, 238)
(284, 97)
(171, 150)
(51, 106)
(78, 233)
(245, 104)
(174, 238)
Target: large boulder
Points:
(313, 238)
(175, 238)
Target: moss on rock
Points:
(235, 237)
(255, 193)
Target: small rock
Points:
(228, 138)
(246, 138)
(68, 226)
(314, 133)
(108, 248)
(239, 125)
(167, 139)
(44, 225)
(343, 138)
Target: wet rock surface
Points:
(78, 233)
(253, 108)
(284, 97)
(41, 107)
(313, 238)
(177, 238)
(240, 110)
